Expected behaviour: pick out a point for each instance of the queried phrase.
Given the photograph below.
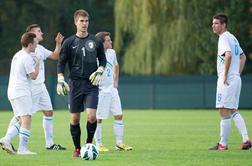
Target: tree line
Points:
(162, 37)
(168, 37)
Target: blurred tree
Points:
(53, 16)
(169, 37)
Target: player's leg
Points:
(12, 131)
(91, 106)
(23, 108)
(225, 124)
(91, 124)
(13, 128)
(225, 114)
(102, 112)
(237, 117)
(76, 99)
(46, 105)
(116, 110)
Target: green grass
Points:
(159, 138)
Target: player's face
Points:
(81, 24)
(218, 28)
(34, 45)
(38, 33)
(107, 42)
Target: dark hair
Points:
(222, 17)
(102, 35)
(27, 38)
(80, 12)
(30, 27)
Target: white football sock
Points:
(12, 131)
(13, 121)
(98, 134)
(24, 136)
(118, 129)
(225, 124)
(48, 130)
(241, 126)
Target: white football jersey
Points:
(228, 42)
(42, 54)
(22, 64)
(107, 82)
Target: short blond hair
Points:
(80, 12)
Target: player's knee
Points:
(118, 117)
(48, 113)
(91, 118)
(75, 118)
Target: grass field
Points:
(159, 138)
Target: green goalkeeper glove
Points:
(96, 76)
(62, 86)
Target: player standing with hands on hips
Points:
(109, 100)
(230, 63)
(81, 52)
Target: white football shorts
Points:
(108, 104)
(227, 96)
(22, 106)
(42, 100)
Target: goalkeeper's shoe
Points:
(123, 147)
(76, 152)
(218, 147)
(7, 146)
(56, 147)
(246, 145)
(102, 148)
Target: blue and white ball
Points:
(89, 152)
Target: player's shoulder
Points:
(40, 48)
(69, 40)
(111, 51)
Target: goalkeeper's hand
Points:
(62, 86)
(96, 76)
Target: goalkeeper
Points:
(81, 52)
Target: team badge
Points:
(90, 45)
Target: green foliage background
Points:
(168, 37)
(162, 37)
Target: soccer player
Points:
(81, 52)
(40, 96)
(109, 100)
(24, 68)
(230, 63)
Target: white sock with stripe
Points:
(98, 134)
(241, 126)
(118, 129)
(24, 136)
(12, 131)
(48, 130)
(225, 124)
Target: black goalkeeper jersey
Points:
(81, 54)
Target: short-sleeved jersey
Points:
(107, 82)
(22, 64)
(81, 54)
(228, 42)
(42, 53)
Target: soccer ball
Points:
(89, 152)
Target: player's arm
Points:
(62, 86)
(227, 65)
(116, 75)
(242, 62)
(55, 54)
(96, 76)
(33, 75)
